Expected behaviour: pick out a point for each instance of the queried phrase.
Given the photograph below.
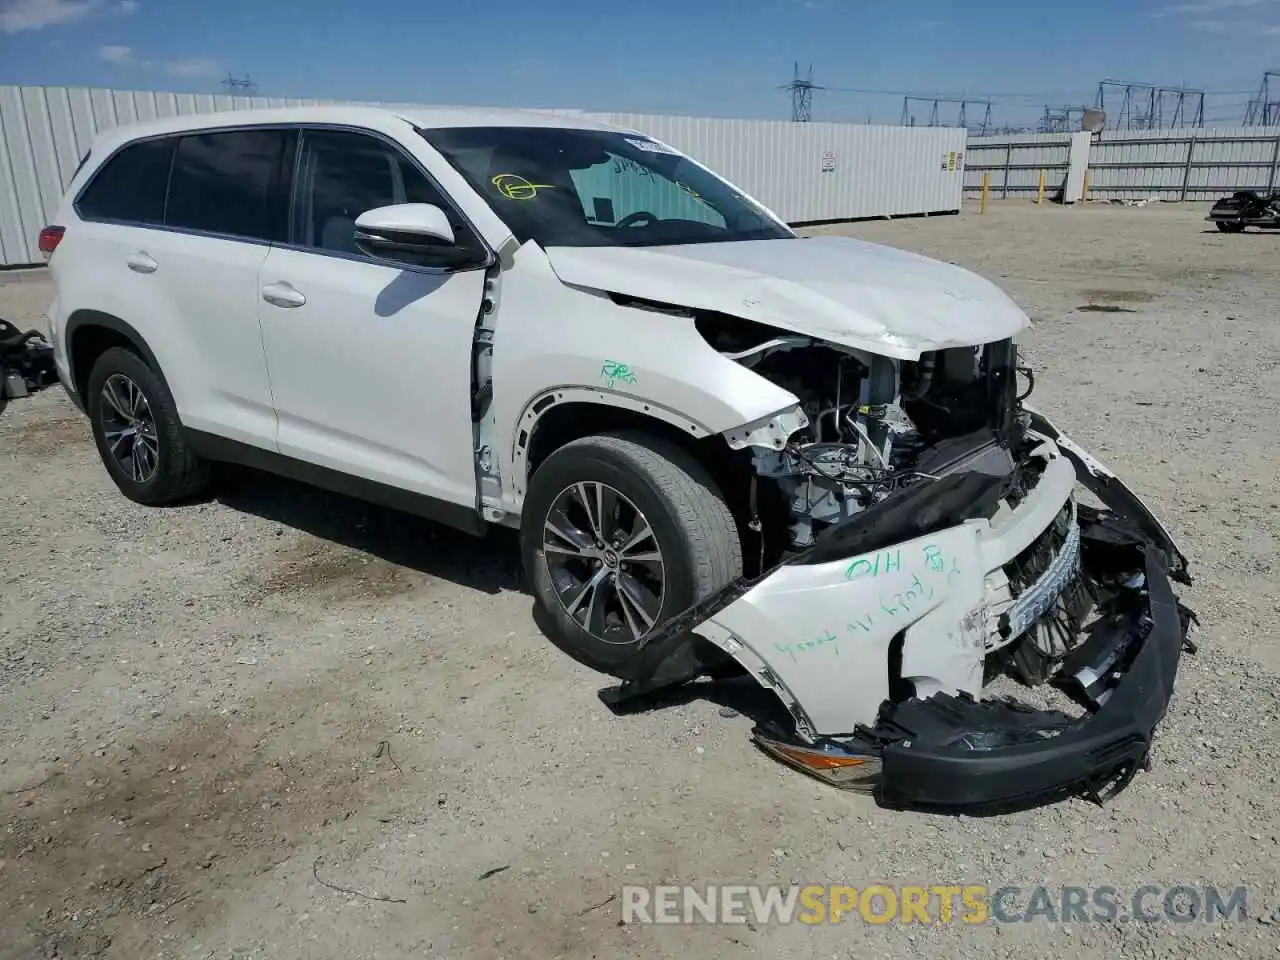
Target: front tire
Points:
(619, 533)
(1230, 226)
(138, 434)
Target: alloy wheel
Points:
(604, 559)
(129, 428)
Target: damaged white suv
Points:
(727, 448)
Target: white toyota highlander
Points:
(727, 448)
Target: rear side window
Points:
(131, 185)
(222, 182)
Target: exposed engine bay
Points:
(934, 537)
(876, 425)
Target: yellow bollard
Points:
(1084, 195)
(1040, 192)
(986, 188)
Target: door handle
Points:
(141, 262)
(282, 295)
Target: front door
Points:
(370, 360)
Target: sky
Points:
(699, 57)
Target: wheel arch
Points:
(559, 416)
(90, 333)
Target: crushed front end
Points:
(936, 541)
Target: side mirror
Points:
(403, 231)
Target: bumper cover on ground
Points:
(949, 752)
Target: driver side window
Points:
(342, 174)
(619, 187)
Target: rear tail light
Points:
(50, 237)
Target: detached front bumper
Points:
(957, 753)
(906, 595)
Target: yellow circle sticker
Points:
(515, 187)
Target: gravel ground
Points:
(209, 713)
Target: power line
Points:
(909, 119)
(801, 94)
(1149, 106)
(1141, 104)
(239, 85)
(1264, 109)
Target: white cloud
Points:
(115, 53)
(1214, 6)
(192, 67)
(1227, 16)
(19, 15)
(125, 56)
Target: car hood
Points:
(858, 294)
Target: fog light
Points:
(839, 768)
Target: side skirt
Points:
(221, 450)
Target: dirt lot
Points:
(209, 713)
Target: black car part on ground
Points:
(952, 753)
(1246, 208)
(26, 363)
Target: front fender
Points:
(555, 343)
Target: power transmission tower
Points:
(801, 94)
(980, 129)
(1063, 120)
(1264, 109)
(1149, 106)
(243, 86)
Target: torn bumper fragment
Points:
(952, 752)
(878, 640)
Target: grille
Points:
(1030, 565)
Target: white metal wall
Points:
(1184, 164)
(1013, 163)
(804, 172)
(823, 171)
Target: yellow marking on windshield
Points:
(691, 192)
(515, 187)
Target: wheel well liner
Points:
(89, 333)
(559, 424)
(565, 421)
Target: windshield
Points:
(598, 188)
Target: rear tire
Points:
(1230, 226)
(643, 482)
(138, 434)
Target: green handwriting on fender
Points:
(886, 562)
(905, 600)
(933, 570)
(827, 640)
(612, 373)
(875, 565)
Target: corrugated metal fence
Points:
(1185, 164)
(822, 171)
(804, 172)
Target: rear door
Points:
(222, 213)
(178, 228)
(370, 359)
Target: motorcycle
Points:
(1246, 208)
(26, 363)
